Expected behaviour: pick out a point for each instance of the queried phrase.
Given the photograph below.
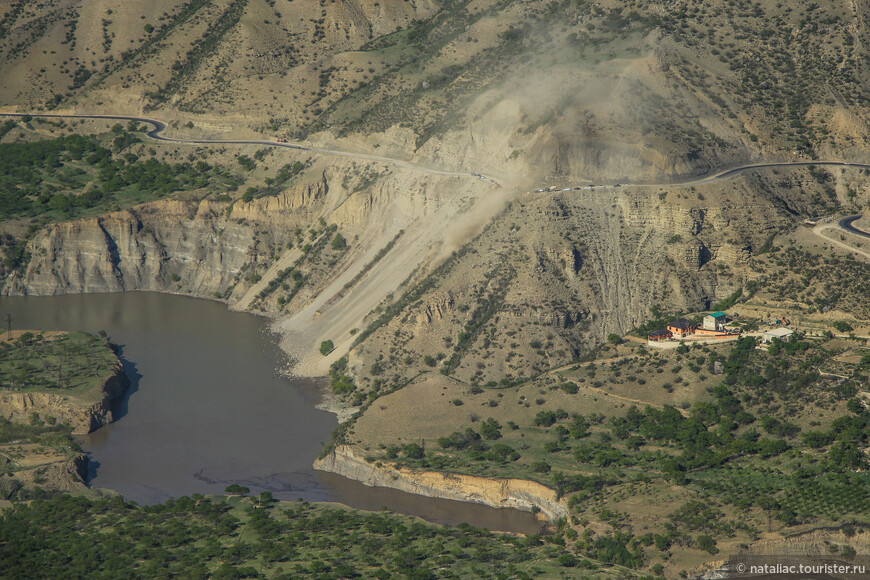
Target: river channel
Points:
(207, 408)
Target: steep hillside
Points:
(532, 94)
(476, 197)
(610, 90)
(554, 274)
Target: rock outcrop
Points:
(199, 248)
(499, 493)
(85, 417)
(61, 476)
(148, 248)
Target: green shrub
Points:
(413, 451)
(490, 429)
(707, 543)
(569, 387)
(541, 467)
(338, 242)
(843, 326)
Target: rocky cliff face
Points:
(555, 273)
(83, 416)
(499, 493)
(168, 246)
(62, 476)
(137, 249)
(235, 251)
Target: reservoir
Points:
(208, 408)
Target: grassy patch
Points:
(74, 364)
(771, 443)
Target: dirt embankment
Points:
(817, 543)
(67, 476)
(499, 493)
(85, 415)
(810, 547)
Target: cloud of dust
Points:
(462, 229)
(569, 108)
(567, 119)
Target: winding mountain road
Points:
(729, 173)
(160, 127)
(843, 224)
(846, 224)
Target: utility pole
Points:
(8, 326)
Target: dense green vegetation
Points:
(70, 175)
(340, 381)
(200, 537)
(38, 430)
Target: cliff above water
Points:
(136, 249)
(499, 493)
(83, 416)
(78, 380)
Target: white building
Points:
(784, 334)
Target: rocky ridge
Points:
(500, 493)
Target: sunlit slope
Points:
(613, 89)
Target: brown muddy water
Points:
(207, 408)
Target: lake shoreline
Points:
(210, 405)
(517, 494)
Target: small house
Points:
(783, 334)
(715, 321)
(660, 334)
(681, 327)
